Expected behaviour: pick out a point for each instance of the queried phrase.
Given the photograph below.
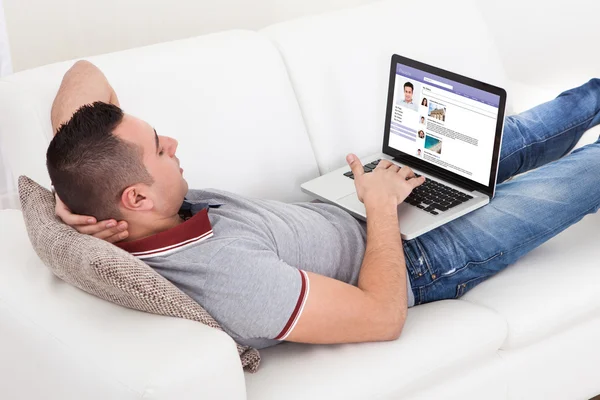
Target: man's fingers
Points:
(107, 233)
(116, 237)
(102, 229)
(91, 229)
(355, 165)
(393, 167)
(406, 172)
(66, 216)
(383, 164)
(74, 219)
(386, 164)
(414, 182)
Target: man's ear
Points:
(135, 198)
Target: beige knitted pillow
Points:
(103, 270)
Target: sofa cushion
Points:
(78, 346)
(102, 269)
(437, 338)
(550, 289)
(225, 97)
(339, 64)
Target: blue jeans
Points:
(526, 211)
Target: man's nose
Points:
(172, 146)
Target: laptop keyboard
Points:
(431, 196)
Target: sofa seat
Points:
(437, 338)
(111, 352)
(550, 289)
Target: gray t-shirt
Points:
(249, 275)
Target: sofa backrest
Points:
(226, 97)
(339, 64)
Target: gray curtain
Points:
(8, 198)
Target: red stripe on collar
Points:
(188, 233)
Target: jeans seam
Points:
(460, 292)
(419, 300)
(424, 255)
(463, 267)
(469, 263)
(548, 138)
(408, 260)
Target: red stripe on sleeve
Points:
(294, 315)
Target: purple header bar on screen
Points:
(457, 88)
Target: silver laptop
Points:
(444, 126)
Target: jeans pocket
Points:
(415, 260)
(470, 284)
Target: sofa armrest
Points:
(58, 342)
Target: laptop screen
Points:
(443, 122)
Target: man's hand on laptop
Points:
(108, 230)
(386, 183)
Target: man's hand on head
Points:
(84, 84)
(108, 230)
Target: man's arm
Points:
(336, 312)
(83, 84)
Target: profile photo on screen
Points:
(424, 102)
(421, 134)
(407, 94)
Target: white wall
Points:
(45, 31)
(550, 44)
(538, 39)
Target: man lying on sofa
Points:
(309, 272)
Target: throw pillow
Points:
(103, 270)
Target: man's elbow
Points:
(81, 64)
(394, 333)
(395, 327)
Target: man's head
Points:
(408, 92)
(108, 164)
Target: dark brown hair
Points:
(89, 166)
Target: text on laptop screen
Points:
(443, 122)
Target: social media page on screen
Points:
(443, 122)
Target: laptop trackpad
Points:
(352, 203)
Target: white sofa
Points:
(259, 113)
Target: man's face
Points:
(169, 187)
(408, 92)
